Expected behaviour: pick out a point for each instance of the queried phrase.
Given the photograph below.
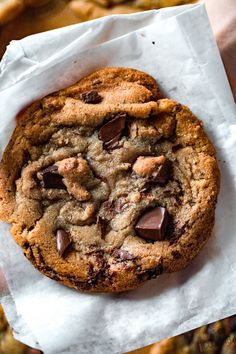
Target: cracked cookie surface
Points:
(107, 185)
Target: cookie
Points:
(9, 9)
(216, 338)
(8, 345)
(92, 9)
(36, 3)
(88, 10)
(107, 185)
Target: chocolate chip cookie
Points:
(8, 345)
(107, 185)
(92, 9)
(11, 8)
(216, 338)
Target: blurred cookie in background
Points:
(216, 338)
(34, 19)
(20, 18)
(91, 9)
(9, 345)
(11, 8)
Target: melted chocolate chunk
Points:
(52, 179)
(121, 205)
(146, 189)
(107, 205)
(163, 173)
(123, 255)
(152, 224)
(92, 97)
(151, 273)
(63, 241)
(102, 226)
(176, 147)
(111, 132)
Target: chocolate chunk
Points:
(176, 147)
(102, 226)
(52, 179)
(110, 133)
(121, 205)
(146, 189)
(123, 255)
(107, 205)
(176, 254)
(63, 241)
(152, 225)
(163, 172)
(92, 97)
(151, 273)
(113, 143)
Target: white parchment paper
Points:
(177, 48)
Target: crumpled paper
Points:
(176, 46)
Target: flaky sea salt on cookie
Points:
(107, 185)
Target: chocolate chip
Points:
(176, 254)
(120, 205)
(152, 224)
(110, 133)
(102, 226)
(123, 255)
(52, 179)
(176, 147)
(146, 189)
(107, 205)
(26, 156)
(113, 143)
(151, 273)
(92, 97)
(63, 241)
(163, 172)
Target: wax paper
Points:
(176, 46)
